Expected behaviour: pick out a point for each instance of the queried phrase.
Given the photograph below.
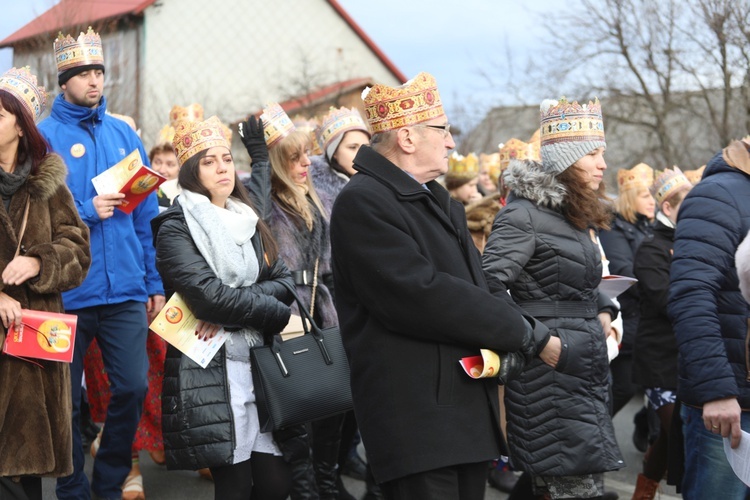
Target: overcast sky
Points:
(456, 41)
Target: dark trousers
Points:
(457, 482)
(120, 330)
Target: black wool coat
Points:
(655, 349)
(412, 300)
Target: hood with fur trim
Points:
(528, 179)
(50, 175)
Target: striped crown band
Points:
(337, 123)
(276, 124)
(193, 137)
(390, 108)
(639, 177)
(563, 121)
(84, 51)
(22, 85)
(668, 183)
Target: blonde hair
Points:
(293, 197)
(626, 201)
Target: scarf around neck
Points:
(11, 182)
(224, 238)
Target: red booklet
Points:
(42, 335)
(131, 177)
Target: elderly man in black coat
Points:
(412, 300)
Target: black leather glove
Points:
(528, 345)
(251, 132)
(511, 366)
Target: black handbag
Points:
(302, 379)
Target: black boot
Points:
(326, 438)
(295, 447)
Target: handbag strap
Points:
(23, 227)
(314, 288)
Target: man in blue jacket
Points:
(122, 285)
(710, 320)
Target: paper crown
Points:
(193, 137)
(535, 142)
(22, 85)
(463, 167)
(276, 124)
(639, 177)
(192, 113)
(668, 183)
(492, 163)
(569, 131)
(694, 176)
(515, 149)
(414, 102)
(85, 51)
(337, 123)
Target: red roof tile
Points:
(69, 13)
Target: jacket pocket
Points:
(565, 347)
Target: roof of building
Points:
(68, 13)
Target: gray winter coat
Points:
(558, 419)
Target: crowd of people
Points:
(421, 258)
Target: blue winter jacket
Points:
(708, 313)
(123, 263)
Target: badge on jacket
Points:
(77, 150)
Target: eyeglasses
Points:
(445, 128)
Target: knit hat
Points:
(569, 131)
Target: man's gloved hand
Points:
(251, 132)
(511, 366)
(528, 344)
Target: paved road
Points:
(179, 485)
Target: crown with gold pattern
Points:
(84, 51)
(463, 167)
(276, 124)
(390, 108)
(694, 176)
(337, 123)
(569, 131)
(668, 183)
(193, 137)
(515, 149)
(639, 177)
(22, 85)
(192, 113)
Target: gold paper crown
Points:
(572, 122)
(22, 85)
(515, 149)
(193, 137)
(414, 102)
(276, 124)
(85, 51)
(668, 183)
(338, 122)
(639, 177)
(192, 113)
(694, 176)
(463, 167)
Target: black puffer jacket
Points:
(558, 419)
(196, 415)
(620, 244)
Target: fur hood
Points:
(48, 179)
(527, 179)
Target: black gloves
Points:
(251, 132)
(512, 363)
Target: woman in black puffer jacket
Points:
(212, 249)
(541, 248)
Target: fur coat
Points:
(35, 400)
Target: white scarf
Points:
(223, 237)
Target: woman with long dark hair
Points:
(44, 251)
(214, 250)
(543, 250)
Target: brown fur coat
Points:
(35, 401)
